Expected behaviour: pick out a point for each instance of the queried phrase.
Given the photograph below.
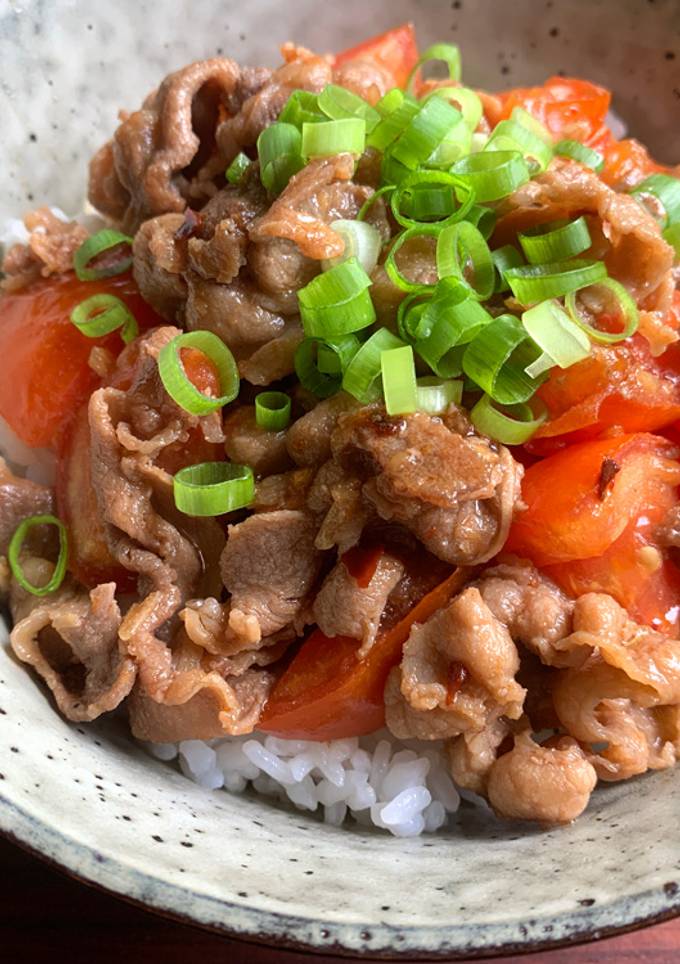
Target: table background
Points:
(45, 916)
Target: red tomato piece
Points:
(569, 107)
(396, 51)
(327, 693)
(46, 377)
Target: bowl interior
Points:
(89, 798)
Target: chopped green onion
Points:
(97, 244)
(213, 488)
(272, 410)
(391, 267)
(183, 392)
(411, 325)
(576, 151)
(318, 382)
(666, 190)
(466, 100)
(393, 171)
(624, 307)
(513, 428)
(564, 342)
(456, 144)
(497, 359)
(362, 241)
(14, 551)
(423, 195)
(448, 53)
(483, 218)
(493, 174)
(338, 102)
(333, 357)
(399, 380)
(536, 282)
(392, 124)
(103, 313)
(301, 107)
(238, 168)
(510, 135)
(436, 394)
(672, 236)
(390, 102)
(367, 205)
(505, 258)
(425, 132)
(462, 253)
(337, 301)
(279, 151)
(364, 370)
(523, 117)
(451, 322)
(556, 241)
(334, 137)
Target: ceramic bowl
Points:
(91, 800)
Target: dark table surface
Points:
(45, 916)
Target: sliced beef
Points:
(269, 566)
(472, 754)
(365, 77)
(173, 555)
(417, 262)
(551, 784)
(302, 71)
(275, 359)
(343, 607)
(309, 438)
(233, 312)
(19, 499)
(158, 264)
(629, 237)
(50, 249)
(146, 169)
(455, 492)
(249, 444)
(457, 673)
(338, 497)
(71, 638)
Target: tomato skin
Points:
(327, 693)
(591, 544)
(621, 386)
(569, 107)
(396, 51)
(46, 376)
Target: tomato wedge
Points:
(396, 51)
(327, 693)
(569, 107)
(45, 372)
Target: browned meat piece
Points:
(544, 783)
(416, 261)
(201, 704)
(233, 312)
(174, 555)
(269, 566)
(309, 439)
(206, 623)
(472, 754)
(457, 672)
(280, 269)
(303, 71)
(158, 265)
(633, 249)
(71, 640)
(248, 444)
(536, 612)
(617, 717)
(365, 77)
(455, 493)
(285, 491)
(338, 497)
(148, 166)
(19, 499)
(273, 360)
(344, 608)
(50, 249)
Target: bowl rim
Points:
(270, 929)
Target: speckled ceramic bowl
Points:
(93, 802)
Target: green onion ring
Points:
(182, 391)
(14, 551)
(462, 245)
(556, 241)
(213, 488)
(537, 282)
(103, 313)
(399, 380)
(625, 304)
(95, 245)
(364, 369)
(272, 410)
(515, 428)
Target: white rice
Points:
(376, 780)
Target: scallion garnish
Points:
(326, 138)
(362, 241)
(301, 107)
(561, 340)
(14, 551)
(337, 302)
(279, 151)
(512, 426)
(392, 124)
(183, 392)
(576, 151)
(213, 488)
(364, 369)
(536, 282)
(463, 254)
(436, 394)
(94, 246)
(623, 307)
(466, 100)
(448, 53)
(511, 135)
(431, 197)
(272, 410)
(493, 174)
(453, 321)
(483, 218)
(666, 190)
(399, 380)
(103, 313)
(425, 132)
(497, 359)
(321, 383)
(672, 236)
(555, 241)
(238, 168)
(505, 258)
(338, 103)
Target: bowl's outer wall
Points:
(87, 798)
